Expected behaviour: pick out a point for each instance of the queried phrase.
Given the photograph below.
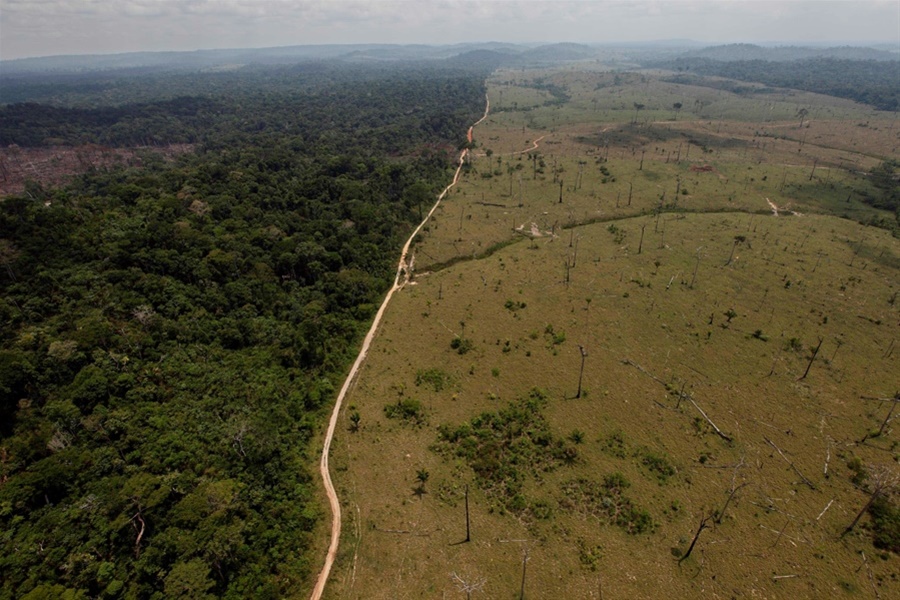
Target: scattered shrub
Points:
(433, 378)
(606, 502)
(461, 345)
(504, 447)
(589, 555)
(614, 444)
(658, 465)
(885, 524)
(408, 409)
(860, 474)
(514, 306)
(793, 345)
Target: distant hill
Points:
(489, 59)
(466, 55)
(198, 59)
(736, 52)
(214, 59)
(559, 52)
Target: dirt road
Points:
(399, 280)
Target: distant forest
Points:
(868, 81)
(170, 335)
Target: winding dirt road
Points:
(400, 280)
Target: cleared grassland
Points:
(691, 296)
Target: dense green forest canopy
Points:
(170, 334)
(307, 102)
(867, 81)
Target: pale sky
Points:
(50, 27)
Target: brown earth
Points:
(55, 165)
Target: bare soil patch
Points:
(55, 165)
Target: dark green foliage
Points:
(422, 476)
(886, 181)
(658, 465)
(885, 523)
(867, 81)
(179, 120)
(859, 474)
(559, 94)
(385, 109)
(506, 447)
(618, 233)
(461, 345)
(171, 335)
(513, 306)
(408, 409)
(554, 338)
(589, 555)
(606, 502)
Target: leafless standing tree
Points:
(885, 481)
(703, 525)
(468, 586)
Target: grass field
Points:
(695, 311)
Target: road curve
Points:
(399, 280)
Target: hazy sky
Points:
(47, 27)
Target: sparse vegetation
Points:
(607, 502)
(657, 464)
(434, 378)
(513, 306)
(665, 271)
(408, 410)
(614, 444)
(461, 345)
(505, 447)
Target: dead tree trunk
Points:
(703, 525)
(708, 420)
(894, 401)
(468, 536)
(813, 358)
(885, 482)
(524, 563)
(581, 374)
(734, 491)
(697, 266)
(791, 463)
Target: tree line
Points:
(868, 81)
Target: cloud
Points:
(42, 27)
